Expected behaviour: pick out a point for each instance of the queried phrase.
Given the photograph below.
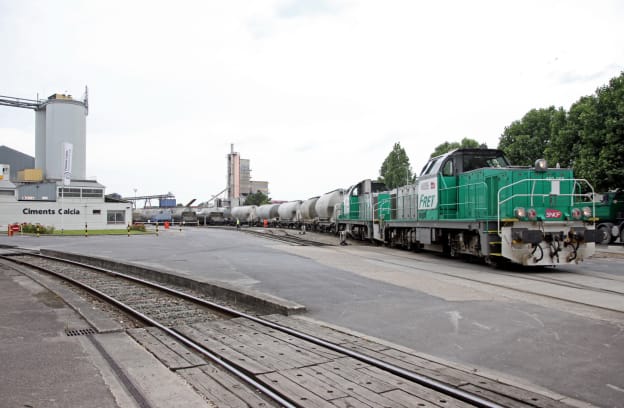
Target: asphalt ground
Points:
(393, 295)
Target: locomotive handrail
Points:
(577, 182)
(376, 207)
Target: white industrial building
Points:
(56, 192)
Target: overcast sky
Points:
(314, 93)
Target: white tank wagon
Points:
(267, 212)
(184, 215)
(139, 216)
(325, 209)
(309, 217)
(152, 215)
(245, 213)
(290, 214)
(213, 215)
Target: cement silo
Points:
(61, 119)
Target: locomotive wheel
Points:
(603, 235)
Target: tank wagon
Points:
(184, 215)
(154, 215)
(309, 217)
(138, 217)
(245, 213)
(610, 217)
(213, 215)
(326, 210)
(268, 212)
(290, 214)
(471, 201)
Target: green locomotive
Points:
(472, 201)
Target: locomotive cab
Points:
(439, 184)
(463, 160)
(358, 211)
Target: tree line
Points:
(589, 138)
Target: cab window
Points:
(428, 167)
(448, 169)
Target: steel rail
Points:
(428, 382)
(291, 239)
(185, 340)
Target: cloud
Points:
(307, 8)
(576, 76)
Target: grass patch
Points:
(101, 232)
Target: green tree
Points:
(466, 143)
(526, 140)
(396, 170)
(600, 133)
(589, 138)
(564, 145)
(258, 198)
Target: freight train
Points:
(314, 214)
(465, 202)
(185, 215)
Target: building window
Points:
(116, 217)
(92, 193)
(69, 192)
(97, 212)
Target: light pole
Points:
(135, 191)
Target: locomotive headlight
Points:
(576, 213)
(520, 213)
(532, 214)
(541, 165)
(587, 212)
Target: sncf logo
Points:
(553, 213)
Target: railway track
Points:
(273, 358)
(286, 237)
(280, 235)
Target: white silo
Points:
(61, 119)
